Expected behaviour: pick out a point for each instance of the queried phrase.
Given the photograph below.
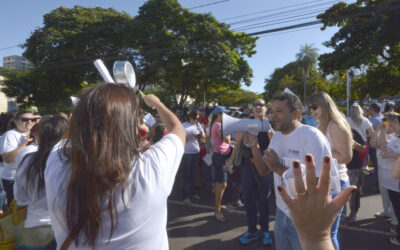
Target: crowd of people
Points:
(100, 177)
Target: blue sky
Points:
(19, 18)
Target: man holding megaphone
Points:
(256, 188)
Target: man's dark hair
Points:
(375, 107)
(292, 101)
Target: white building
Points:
(6, 104)
(16, 62)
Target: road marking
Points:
(229, 210)
(235, 211)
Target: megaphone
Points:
(231, 125)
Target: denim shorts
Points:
(218, 161)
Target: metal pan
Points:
(124, 73)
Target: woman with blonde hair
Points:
(334, 126)
(363, 126)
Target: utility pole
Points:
(348, 91)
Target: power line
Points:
(271, 10)
(275, 21)
(280, 14)
(201, 6)
(78, 61)
(19, 45)
(263, 17)
(244, 27)
(290, 31)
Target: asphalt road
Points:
(193, 227)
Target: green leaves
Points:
(169, 46)
(369, 37)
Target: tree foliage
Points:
(368, 38)
(190, 53)
(63, 50)
(169, 46)
(307, 57)
(292, 76)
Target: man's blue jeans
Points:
(284, 233)
(335, 226)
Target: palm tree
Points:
(307, 56)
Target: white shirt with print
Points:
(9, 141)
(142, 223)
(294, 146)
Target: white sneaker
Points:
(381, 215)
(394, 241)
(187, 201)
(393, 223)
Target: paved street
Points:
(194, 226)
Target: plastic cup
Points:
(288, 176)
(334, 187)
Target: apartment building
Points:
(16, 62)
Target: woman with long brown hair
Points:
(29, 186)
(102, 191)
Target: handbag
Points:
(9, 225)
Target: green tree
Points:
(307, 56)
(63, 50)
(368, 38)
(292, 76)
(190, 53)
(232, 97)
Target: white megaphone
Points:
(231, 125)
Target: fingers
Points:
(298, 178)
(286, 197)
(343, 197)
(311, 178)
(325, 178)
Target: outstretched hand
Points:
(312, 210)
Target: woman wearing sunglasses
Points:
(29, 186)
(336, 129)
(191, 158)
(11, 143)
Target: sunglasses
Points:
(258, 105)
(24, 119)
(313, 107)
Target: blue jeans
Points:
(255, 195)
(218, 161)
(284, 233)
(335, 226)
(190, 162)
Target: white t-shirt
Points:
(301, 141)
(142, 224)
(386, 164)
(365, 125)
(342, 168)
(38, 212)
(10, 140)
(26, 150)
(192, 146)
